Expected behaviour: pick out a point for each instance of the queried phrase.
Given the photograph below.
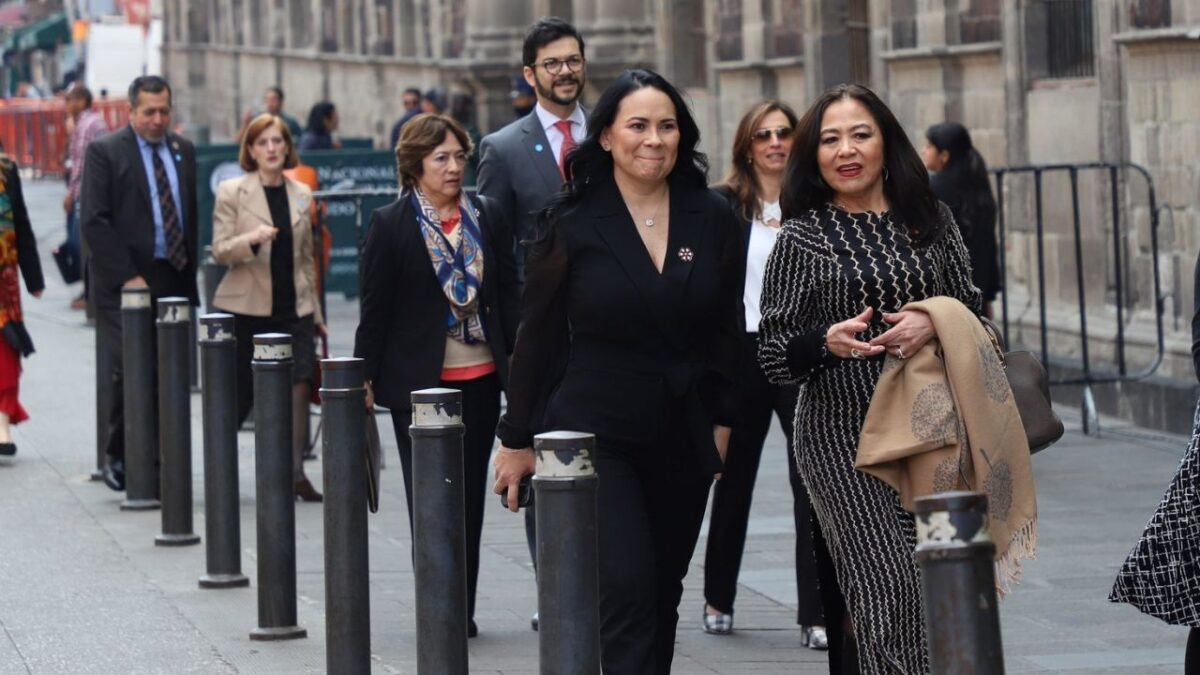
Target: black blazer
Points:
(646, 354)
(402, 327)
(117, 219)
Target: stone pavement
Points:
(83, 588)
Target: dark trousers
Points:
(733, 493)
(164, 282)
(650, 507)
(481, 412)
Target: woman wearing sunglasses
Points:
(761, 148)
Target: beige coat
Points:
(246, 289)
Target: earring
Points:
(885, 173)
(750, 161)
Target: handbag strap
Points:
(993, 333)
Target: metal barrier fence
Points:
(1091, 375)
(34, 131)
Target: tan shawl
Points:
(945, 419)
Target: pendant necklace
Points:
(649, 222)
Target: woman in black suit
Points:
(439, 305)
(633, 289)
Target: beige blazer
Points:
(246, 289)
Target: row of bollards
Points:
(955, 553)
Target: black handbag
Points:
(68, 264)
(1031, 390)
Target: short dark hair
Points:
(80, 91)
(906, 182)
(420, 136)
(544, 31)
(151, 84)
(414, 91)
(278, 91)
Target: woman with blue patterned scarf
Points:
(439, 305)
(18, 249)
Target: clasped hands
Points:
(909, 331)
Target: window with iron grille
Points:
(455, 13)
(858, 37)
(1150, 13)
(785, 28)
(729, 30)
(384, 42)
(1070, 48)
(978, 21)
(904, 24)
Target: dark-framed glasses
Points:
(782, 133)
(555, 66)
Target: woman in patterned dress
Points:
(864, 236)
(1161, 576)
(18, 250)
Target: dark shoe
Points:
(472, 629)
(306, 492)
(8, 449)
(114, 474)
(533, 621)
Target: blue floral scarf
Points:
(459, 271)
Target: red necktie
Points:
(568, 144)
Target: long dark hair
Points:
(590, 165)
(741, 180)
(906, 182)
(963, 183)
(317, 116)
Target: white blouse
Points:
(762, 240)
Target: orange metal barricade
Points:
(34, 131)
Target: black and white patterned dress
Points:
(1161, 576)
(828, 266)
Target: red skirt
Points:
(10, 377)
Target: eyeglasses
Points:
(555, 66)
(782, 133)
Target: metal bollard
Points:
(222, 514)
(568, 577)
(347, 574)
(958, 579)
(141, 439)
(276, 498)
(439, 532)
(175, 422)
(193, 352)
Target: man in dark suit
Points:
(520, 166)
(139, 217)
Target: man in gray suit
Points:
(520, 166)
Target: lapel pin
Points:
(686, 254)
(178, 158)
(538, 147)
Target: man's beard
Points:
(548, 92)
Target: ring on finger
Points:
(855, 354)
(900, 353)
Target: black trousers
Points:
(481, 412)
(734, 492)
(651, 504)
(165, 281)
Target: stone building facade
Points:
(1036, 81)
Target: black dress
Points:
(826, 267)
(647, 362)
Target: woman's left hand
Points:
(909, 332)
(721, 440)
(320, 330)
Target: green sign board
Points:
(352, 168)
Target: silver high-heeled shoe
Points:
(717, 624)
(814, 637)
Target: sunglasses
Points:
(782, 133)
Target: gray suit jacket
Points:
(517, 168)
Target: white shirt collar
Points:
(549, 119)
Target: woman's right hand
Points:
(370, 397)
(841, 339)
(511, 466)
(262, 234)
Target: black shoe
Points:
(8, 449)
(114, 474)
(533, 621)
(472, 629)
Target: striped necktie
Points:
(172, 232)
